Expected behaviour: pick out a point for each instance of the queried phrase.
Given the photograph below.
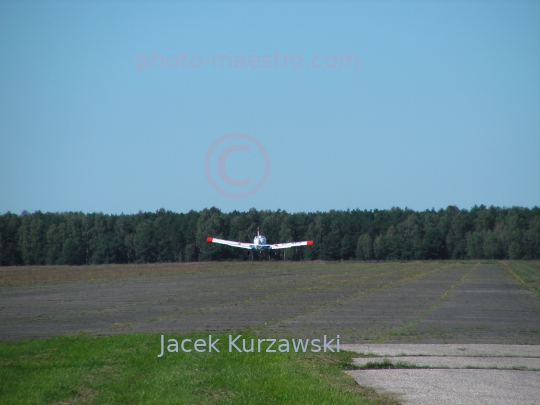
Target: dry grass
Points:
(28, 275)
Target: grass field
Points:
(29, 275)
(125, 369)
(33, 275)
(274, 298)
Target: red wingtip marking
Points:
(209, 239)
(310, 242)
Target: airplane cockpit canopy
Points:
(260, 240)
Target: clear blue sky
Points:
(443, 108)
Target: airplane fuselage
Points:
(259, 240)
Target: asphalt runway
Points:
(453, 374)
(455, 387)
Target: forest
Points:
(76, 238)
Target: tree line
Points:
(76, 238)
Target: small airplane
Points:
(259, 243)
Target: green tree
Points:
(394, 242)
(475, 244)
(380, 247)
(110, 249)
(10, 254)
(71, 253)
(348, 246)
(212, 223)
(434, 244)
(56, 236)
(165, 236)
(32, 239)
(285, 235)
(332, 244)
(145, 244)
(364, 247)
(191, 253)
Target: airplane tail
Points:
(258, 231)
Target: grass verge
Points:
(387, 364)
(125, 369)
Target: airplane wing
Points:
(232, 243)
(290, 244)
